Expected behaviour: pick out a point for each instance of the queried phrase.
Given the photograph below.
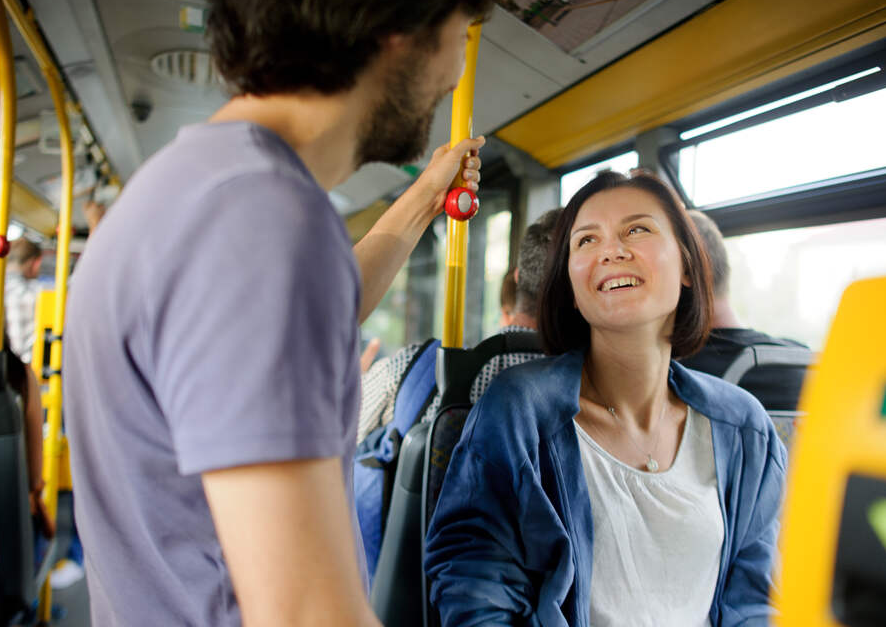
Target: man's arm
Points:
(286, 538)
(384, 249)
(34, 431)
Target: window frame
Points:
(856, 196)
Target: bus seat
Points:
(399, 593)
(19, 582)
(833, 536)
(772, 355)
(16, 535)
(396, 594)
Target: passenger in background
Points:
(381, 382)
(776, 387)
(508, 298)
(22, 270)
(607, 484)
(212, 342)
(369, 353)
(93, 212)
(24, 383)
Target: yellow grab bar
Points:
(457, 230)
(54, 408)
(7, 139)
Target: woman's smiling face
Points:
(625, 264)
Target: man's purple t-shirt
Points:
(212, 323)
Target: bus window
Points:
(842, 136)
(492, 226)
(573, 181)
(788, 283)
(387, 321)
(498, 234)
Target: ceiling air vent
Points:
(193, 67)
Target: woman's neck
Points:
(629, 371)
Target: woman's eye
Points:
(637, 228)
(585, 239)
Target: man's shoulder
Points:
(222, 191)
(724, 345)
(214, 165)
(391, 368)
(718, 400)
(547, 382)
(741, 338)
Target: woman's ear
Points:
(685, 281)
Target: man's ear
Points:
(516, 275)
(396, 42)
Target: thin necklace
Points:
(651, 463)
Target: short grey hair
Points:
(532, 259)
(713, 242)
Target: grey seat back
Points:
(399, 594)
(17, 577)
(770, 355)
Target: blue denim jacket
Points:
(511, 540)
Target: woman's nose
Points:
(613, 251)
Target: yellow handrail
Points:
(54, 396)
(7, 139)
(457, 230)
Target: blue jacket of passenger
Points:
(511, 539)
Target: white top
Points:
(657, 537)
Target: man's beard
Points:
(398, 128)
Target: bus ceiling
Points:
(559, 83)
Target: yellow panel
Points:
(65, 483)
(359, 223)
(730, 49)
(44, 314)
(32, 211)
(843, 433)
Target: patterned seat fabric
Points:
(445, 434)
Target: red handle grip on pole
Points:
(461, 203)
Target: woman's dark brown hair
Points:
(561, 325)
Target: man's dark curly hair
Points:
(265, 47)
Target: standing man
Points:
(22, 269)
(211, 352)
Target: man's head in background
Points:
(531, 261)
(713, 241)
(24, 257)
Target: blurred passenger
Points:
(776, 387)
(22, 270)
(93, 212)
(211, 351)
(381, 383)
(508, 297)
(23, 382)
(607, 484)
(369, 353)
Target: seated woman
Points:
(607, 484)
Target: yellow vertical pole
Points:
(457, 230)
(54, 408)
(7, 139)
(54, 396)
